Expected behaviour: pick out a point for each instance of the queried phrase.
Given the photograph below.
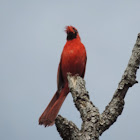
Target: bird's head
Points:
(72, 33)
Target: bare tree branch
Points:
(89, 113)
(115, 107)
(67, 129)
(94, 124)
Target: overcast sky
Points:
(31, 41)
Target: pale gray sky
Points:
(31, 41)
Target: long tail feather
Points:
(48, 116)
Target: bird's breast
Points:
(73, 59)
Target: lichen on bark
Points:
(94, 123)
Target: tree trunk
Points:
(94, 123)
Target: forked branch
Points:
(94, 123)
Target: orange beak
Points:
(69, 29)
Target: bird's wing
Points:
(60, 81)
(83, 73)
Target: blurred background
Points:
(31, 41)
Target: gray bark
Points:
(94, 123)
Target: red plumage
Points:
(73, 60)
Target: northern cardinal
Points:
(73, 60)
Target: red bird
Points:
(73, 60)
